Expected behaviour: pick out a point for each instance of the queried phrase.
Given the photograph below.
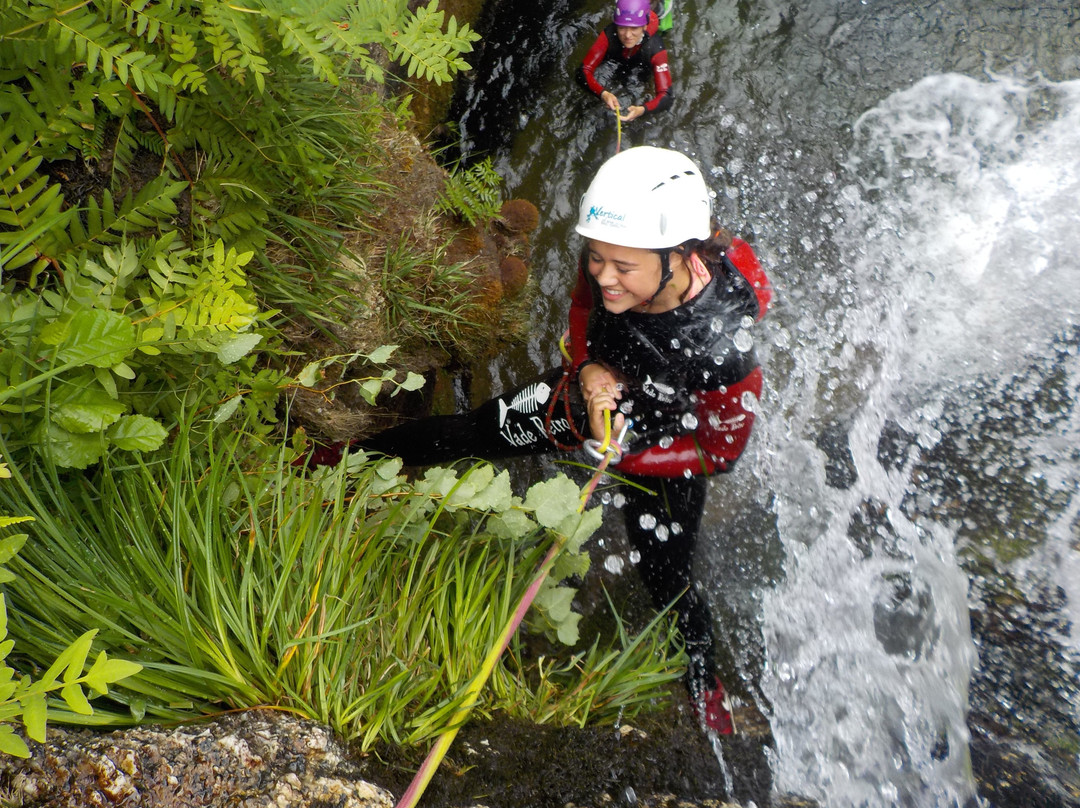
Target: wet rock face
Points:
(255, 758)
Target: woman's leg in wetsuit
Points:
(663, 529)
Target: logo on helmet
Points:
(598, 214)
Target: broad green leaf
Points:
(99, 338)
(413, 381)
(555, 600)
(225, 411)
(67, 449)
(10, 545)
(382, 354)
(137, 433)
(237, 347)
(92, 411)
(75, 698)
(12, 744)
(35, 714)
(553, 500)
(578, 527)
(568, 629)
(511, 524)
(77, 652)
(497, 495)
(369, 389)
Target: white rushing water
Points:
(957, 226)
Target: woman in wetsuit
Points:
(659, 337)
(630, 42)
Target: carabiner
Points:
(614, 449)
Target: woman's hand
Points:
(601, 391)
(593, 378)
(610, 99)
(632, 112)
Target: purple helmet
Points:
(632, 13)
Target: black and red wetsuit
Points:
(648, 55)
(691, 381)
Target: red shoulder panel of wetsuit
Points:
(742, 256)
(593, 59)
(661, 79)
(653, 25)
(581, 303)
(724, 424)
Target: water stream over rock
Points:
(894, 564)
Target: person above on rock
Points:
(659, 343)
(631, 42)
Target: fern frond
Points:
(306, 41)
(422, 46)
(31, 209)
(236, 44)
(473, 194)
(93, 41)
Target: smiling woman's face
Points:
(627, 276)
(630, 35)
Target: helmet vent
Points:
(672, 178)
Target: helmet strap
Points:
(665, 274)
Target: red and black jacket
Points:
(691, 377)
(650, 54)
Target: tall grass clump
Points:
(351, 596)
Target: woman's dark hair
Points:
(711, 249)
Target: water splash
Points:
(952, 229)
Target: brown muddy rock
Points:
(254, 758)
(514, 274)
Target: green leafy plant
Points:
(239, 587)
(81, 366)
(134, 120)
(22, 697)
(473, 193)
(312, 375)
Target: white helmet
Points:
(646, 197)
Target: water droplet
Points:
(666, 441)
(606, 497)
(675, 343)
(647, 521)
(635, 557)
(618, 500)
(743, 340)
(614, 564)
(676, 528)
(717, 325)
(749, 401)
(662, 532)
(689, 420)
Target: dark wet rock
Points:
(255, 758)
(658, 761)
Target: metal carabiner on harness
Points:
(614, 449)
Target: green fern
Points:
(473, 193)
(30, 208)
(416, 44)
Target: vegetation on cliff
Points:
(195, 207)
